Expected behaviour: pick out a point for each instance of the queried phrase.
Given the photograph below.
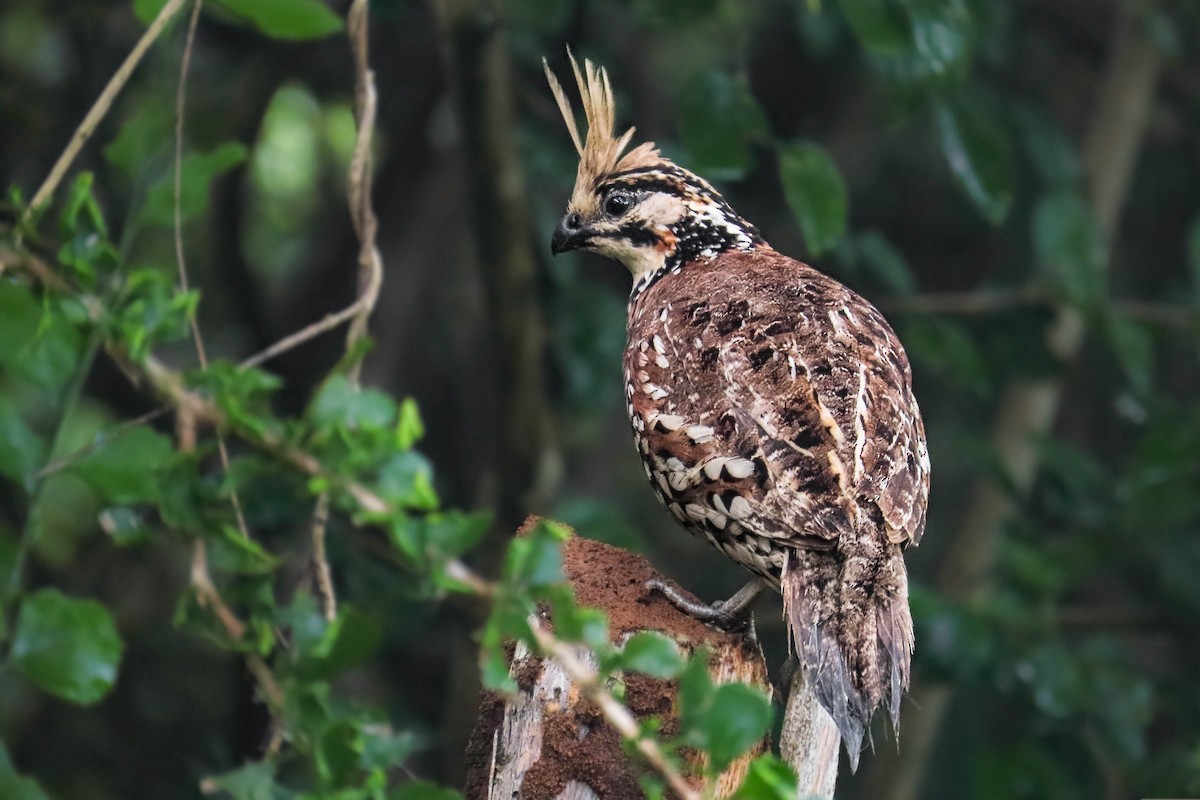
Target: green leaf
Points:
(287, 19)
(977, 150)
(150, 310)
(13, 785)
(322, 649)
(36, 344)
(450, 534)
(535, 559)
(922, 44)
(719, 120)
(254, 781)
(424, 790)
(124, 469)
(409, 427)
(767, 779)
(147, 10)
(493, 671)
(738, 719)
(723, 720)
(816, 193)
(22, 452)
(233, 552)
(125, 525)
(339, 402)
(68, 647)
(145, 133)
(383, 748)
(406, 480)
(652, 654)
(880, 25)
(198, 170)
(1069, 248)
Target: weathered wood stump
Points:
(547, 742)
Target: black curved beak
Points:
(571, 234)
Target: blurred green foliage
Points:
(927, 152)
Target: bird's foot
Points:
(731, 615)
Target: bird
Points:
(771, 406)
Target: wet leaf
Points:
(68, 647)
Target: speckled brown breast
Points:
(772, 408)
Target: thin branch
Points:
(181, 263)
(585, 679)
(101, 107)
(358, 182)
(320, 563)
(370, 263)
(291, 341)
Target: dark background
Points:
(1056, 589)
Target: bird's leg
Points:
(731, 615)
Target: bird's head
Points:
(638, 207)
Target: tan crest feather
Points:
(600, 152)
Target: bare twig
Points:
(291, 341)
(324, 579)
(358, 183)
(177, 213)
(101, 106)
(370, 263)
(622, 720)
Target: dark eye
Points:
(617, 204)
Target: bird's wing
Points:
(802, 377)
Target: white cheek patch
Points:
(660, 210)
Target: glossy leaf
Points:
(341, 403)
(976, 148)
(287, 19)
(816, 193)
(652, 654)
(738, 718)
(767, 779)
(280, 19)
(70, 648)
(124, 468)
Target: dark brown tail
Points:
(847, 613)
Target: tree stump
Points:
(548, 743)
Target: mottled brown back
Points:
(774, 413)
